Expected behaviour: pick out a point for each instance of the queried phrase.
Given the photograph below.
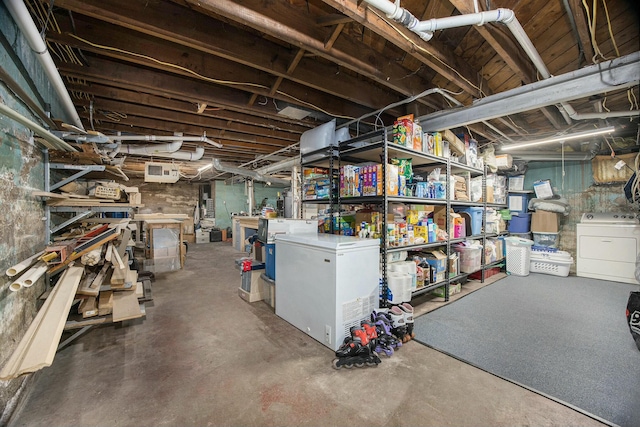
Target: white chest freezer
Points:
(326, 283)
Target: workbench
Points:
(243, 227)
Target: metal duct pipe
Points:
(425, 30)
(21, 15)
(152, 149)
(281, 165)
(183, 155)
(219, 166)
(165, 138)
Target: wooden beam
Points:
(434, 54)
(217, 118)
(584, 35)
(37, 347)
(285, 23)
(333, 19)
(328, 44)
(92, 288)
(211, 42)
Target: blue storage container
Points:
(518, 202)
(270, 264)
(476, 219)
(520, 223)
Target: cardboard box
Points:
(436, 259)
(545, 222)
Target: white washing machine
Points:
(608, 246)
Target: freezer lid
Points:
(328, 241)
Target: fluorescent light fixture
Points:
(205, 167)
(560, 138)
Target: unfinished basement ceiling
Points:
(228, 68)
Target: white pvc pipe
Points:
(21, 16)
(183, 155)
(39, 130)
(165, 138)
(22, 265)
(502, 15)
(34, 274)
(152, 149)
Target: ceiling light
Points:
(205, 167)
(560, 138)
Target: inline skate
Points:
(386, 343)
(357, 350)
(407, 310)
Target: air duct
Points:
(151, 149)
(219, 166)
(425, 30)
(166, 138)
(183, 155)
(21, 16)
(281, 165)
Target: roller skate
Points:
(386, 343)
(398, 323)
(357, 351)
(407, 309)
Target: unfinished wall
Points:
(21, 215)
(582, 194)
(231, 198)
(178, 198)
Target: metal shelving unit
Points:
(376, 147)
(326, 158)
(80, 212)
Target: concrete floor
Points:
(205, 357)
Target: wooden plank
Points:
(116, 259)
(139, 289)
(88, 307)
(92, 288)
(119, 274)
(105, 303)
(125, 306)
(124, 242)
(106, 220)
(38, 346)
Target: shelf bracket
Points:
(83, 170)
(71, 221)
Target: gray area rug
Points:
(565, 337)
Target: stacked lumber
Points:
(460, 188)
(95, 272)
(105, 194)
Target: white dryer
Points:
(608, 246)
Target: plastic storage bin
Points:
(470, 258)
(476, 219)
(270, 261)
(555, 263)
(549, 240)
(518, 202)
(520, 223)
(518, 255)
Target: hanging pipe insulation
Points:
(21, 16)
(183, 155)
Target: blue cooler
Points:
(270, 264)
(476, 219)
(520, 223)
